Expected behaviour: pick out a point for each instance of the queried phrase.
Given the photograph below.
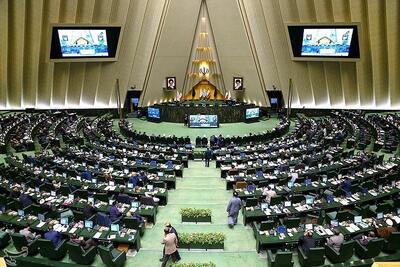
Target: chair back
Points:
(374, 247)
(19, 241)
(131, 223)
(393, 243)
(316, 256)
(267, 225)
(346, 250)
(105, 255)
(292, 222)
(283, 258)
(124, 198)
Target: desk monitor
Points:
(307, 182)
(110, 201)
(309, 200)
(281, 229)
(264, 206)
(398, 211)
(324, 178)
(2, 208)
(251, 188)
(37, 189)
(67, 213)
(290, 184)
(53, 193)
(96, 166)
(88, 224)
(288, 203)
(70, 197)
(276, 171)
(41, 217)
(111, 183)
(130, 185)
(21, 213)
(309, 226)
(64, 221)
(357, 219)
(150, 187)
(364, 190)
(115, 227)
(160, 174)
(379, 215)
(272, 186)
(94, 181)
(135, 204)
(126, 171)
(91, 200)
(380, 187)
(329, 198)
(334, 223)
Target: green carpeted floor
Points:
(200, 187)
(179, 129)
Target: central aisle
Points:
(200, 188)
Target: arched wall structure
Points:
(250, 39)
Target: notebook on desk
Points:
(97, 235)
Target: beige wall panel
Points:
(341, 10)
(377, 35)
(101, 15)
(173, 50)
(279, 45)
(299, 70)
(3, 52)
(109, 71)
(359, 13)
(68, 10)
(128, 47)
(348, 76)
(323, 13)
(393, 48)
(341, 13)
(333, 83)
(84, 14)
(45, 80)
(262, 41)
(233, 48)
(16, 22)
(147, 31)
(31, 50)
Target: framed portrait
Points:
(237, 83)
(171, 83)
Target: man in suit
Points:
(54, 236)
(134, 179)
(336, 240)
(114, 212)
(28, 233)
(207, 157)
(307, 241)
(89, 210)
(233, 209)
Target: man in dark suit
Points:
(54, 236)
(307, 241)
(114, 212)
(207, 156)
(89, 210)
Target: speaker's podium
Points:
(276, 100)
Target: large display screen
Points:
(83, 43)
(326, 42)
(252, 113)
(206, 121)
(78, 43)
(153, 113)
(320, 42)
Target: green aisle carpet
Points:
(200, 188)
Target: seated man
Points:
(269, 193)
(336, 240)
(134, 179)
(28, 233)
(307, 241)
(114, 212)
(89, 210)
(91, 242)
(364, 239)
(54, 236)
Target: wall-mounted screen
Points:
(203, 121)
(324, 42)
(252, 113)
(84, 43)
(153, 113)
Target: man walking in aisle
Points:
(233, 209)
(207, 156)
